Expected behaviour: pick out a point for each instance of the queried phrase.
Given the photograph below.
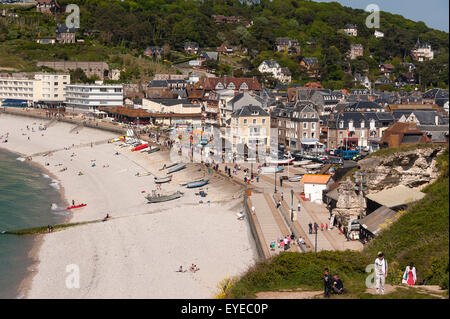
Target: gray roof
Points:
(170, 102)
(427, 117)
(372, 221)
(250, 110)
(396, 196)
(158, 84)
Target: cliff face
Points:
(414, 168)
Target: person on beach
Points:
(310, 227)
(73, 202)
(409, 277)
(282, 196)
(321, 227)
(181, 269)
(316, 227)
(381, 272)
(298, 206)
(257, 178)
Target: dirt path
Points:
(296, 294)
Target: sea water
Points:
(28, 198)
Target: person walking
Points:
(298, 206)
(381, 272)
(310, 227)
(409, 277)
(282, 196)
(257, 178)
(327, 283)
(316, 227)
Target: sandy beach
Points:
(135, 254)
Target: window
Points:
(245, 121)
(313, 126)
(263, 121)
(118, 90)
(103, 90)
(305, 135)
(305, 125)
(341, 124)
(254, 121)
(231, 86)
(244, 86)
(312, 135)
(55, 83)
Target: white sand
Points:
(135, 254)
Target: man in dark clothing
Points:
(316, 227)
(310, 227)
(281, 182)
(337, 286)
(327, 283)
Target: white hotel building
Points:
(40, 87)
(89, 97)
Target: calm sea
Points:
(28, 198)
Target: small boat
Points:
(153, 150)
(163, 179)
(144, 150)
(295, 178)
(271, 170)
(143, 174)
(300, 163)
(76, 206)
(177, 168)
(163, 198)
(282, 162)
(140, 147)
(201, 183)
(313, 166)
(195, 180)
(169, 165)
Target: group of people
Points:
(193, 268)
(332, 284)
(314, 227)
(49, 229)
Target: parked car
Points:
(335, 161)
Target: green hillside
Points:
(420, 235)
(130, 26)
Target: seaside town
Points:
(179, 180)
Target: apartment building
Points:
(31, 87)
(298, 124)
(250, 127)
(91, 96)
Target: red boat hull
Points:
(76, 206)
(140, 147)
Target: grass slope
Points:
(420, 235)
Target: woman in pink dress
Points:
(410, 275)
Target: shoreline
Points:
(32, 285)
(33, 254)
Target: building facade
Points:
(40, 87)
(88, 97)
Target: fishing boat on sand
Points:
(153, 150)
(169, 165)
(156, 198)
(271, 169)
(177, 168)
(163, 179)
(195, 180)
(76, 206)
(139, 147)
(201, 183)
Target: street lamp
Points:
(292, 205)
(275, 180)
(315, 244)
